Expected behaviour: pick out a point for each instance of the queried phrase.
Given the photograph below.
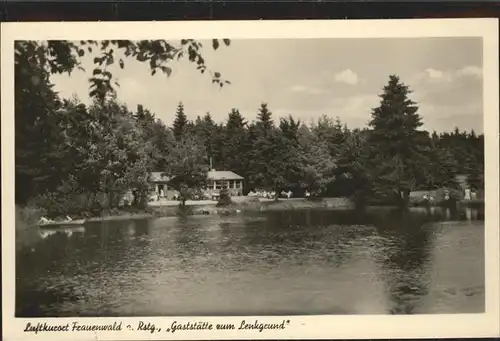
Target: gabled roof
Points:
(223, 175)
(212, 175)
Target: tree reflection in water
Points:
(378, 261)
(403, 252)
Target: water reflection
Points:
(403, 254)
(290, 262)
(68, 231)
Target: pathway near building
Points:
(163, 202)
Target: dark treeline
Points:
(73, 158)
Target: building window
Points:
(210, 185)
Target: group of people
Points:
(428, 198)
(253, 193)
(269, 194)
(468, 194)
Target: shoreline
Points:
(205, 207)
(27, 229)
(266, 205)
(120, 217)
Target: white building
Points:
(220, 179)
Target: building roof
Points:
(157, 177)
(223, 175)
(212, 175)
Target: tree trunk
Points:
(141, 201)
(89, 202)
(109, 198)
(136, 200)
(95, 204)
(360, 199)
(405, 198)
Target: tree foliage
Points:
(62, 56)
(318, 168)
(72, 158)
(398, 147)
(187, 167)
(181, 123)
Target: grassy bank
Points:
(249, 204)
(127, 213)
(252, 203)
(300, 203)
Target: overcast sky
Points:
(308, 78)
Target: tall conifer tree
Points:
(398, 147)
(180, 122)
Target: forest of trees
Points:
(70, 156)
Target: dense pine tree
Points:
(398, 147)
(263, 153)
(264, 119)
(317, 166)
(234, 150)
(187, 167)
(291, 154)
(181, 123)
(72, 158)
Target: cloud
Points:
(457, 88)
(432, 75)
(347, 76)
(437, 75)
(473, 71)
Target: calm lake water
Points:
(289, 262)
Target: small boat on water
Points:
(46, 223)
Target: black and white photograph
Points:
(257, 178)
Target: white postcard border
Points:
(303, 327)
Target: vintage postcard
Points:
(250, 180)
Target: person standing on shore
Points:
(426, 200)
(446, 195)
